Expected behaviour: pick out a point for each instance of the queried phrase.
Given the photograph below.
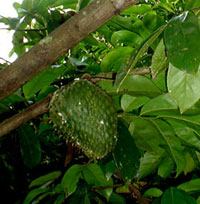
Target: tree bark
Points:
(58, 42)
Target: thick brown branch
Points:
(58, 42)
(24, 116)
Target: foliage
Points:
(157, 156)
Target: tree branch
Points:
(58, 42)
(31, 112)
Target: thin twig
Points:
(5, 60)
(106, 187)
(25, 30)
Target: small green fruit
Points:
(86, 116)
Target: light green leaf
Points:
(189, 163)
(190, 186)
(70, 179)
(160, 103)
(182, 42)
(192, 4)
(159, 60)
(138, 53)
(183, 87)
(126, 37)
(126, 154)
(114, 59)
(152, 192)
(135, 85)
(148, 163)
(129, 103)
(43, 179)
(174, 195)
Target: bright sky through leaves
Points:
(7, 10)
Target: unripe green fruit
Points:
(86, 116)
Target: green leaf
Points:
(114, 59)
(137, 9)
(146, 135)
(29, 146)
(159, 60)
(189, 163)
(160, 103)
(129, 103)
(152, 192)
(126, 37)
(117, 199)
(34, 193)
(135, 85)
(94, 175)
(148, 163)
(183, 87)
(126, 154)
(190, 186)
(182, 42)
(173, 144)
(192, 4)
(70, 179)
(43, 79)
(138, 53)
(43, 179)
(174, 195)
(185, 133)
(166, 167)
(60, 199)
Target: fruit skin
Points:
(86, 116)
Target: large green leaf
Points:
(190, 186)
(152, 192)
(160, 103)
(174, 195)
(182, 42)
(148, 163)
(94, 175)
(29, 146)
(126, 153)
(126, 37)
(159, 60)
(70, 179)
(135, 85)
(114, 59)
(129, 103)
(146, 136)
(43, 79)
(192, 4)
(185, 133)
(166, 167)
(138, 53)
(183, 87)
(173, 144)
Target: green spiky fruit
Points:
(86, 116)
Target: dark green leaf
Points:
(182, 42)
(126, 154)
(33, 194)
(166, 167)
(70, 179)
(174, 195)
(46, 178)
(29, 145)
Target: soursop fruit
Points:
(86, 116)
